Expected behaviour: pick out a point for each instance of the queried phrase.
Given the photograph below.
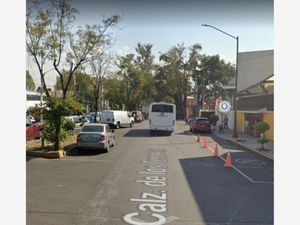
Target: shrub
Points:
(261, 128)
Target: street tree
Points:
(136, 73)
(173, 76)
(210, 76)
(51, 38)
(113, 91)
(145, 68)
(100, 68)
(80, 86)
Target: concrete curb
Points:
(250, 148)
(51, 154)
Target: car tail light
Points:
(102, 137)
(78, 137)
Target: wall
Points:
(269, 118)
(240, 122)
(254, 67)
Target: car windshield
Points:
(202, 120)
(92, 129)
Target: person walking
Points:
(225, 121)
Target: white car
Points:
(32, 119)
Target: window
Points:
(162, 108)
(204, 120)
(92, 128)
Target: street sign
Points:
(224, 106)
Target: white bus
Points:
(162, 117)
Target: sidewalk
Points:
(249, 142)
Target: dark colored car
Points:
(200, 124)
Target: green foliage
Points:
(30, 85)
(56, 126)
(262, 140)
(213, 119)
(169, 99)
(68, 125)
(261, 127)
(134, 79)
(36, 112)
(49, 132)
(210, 74)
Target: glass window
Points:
(88, 128)
(201, 120)
(162, 108)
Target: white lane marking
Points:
(236, 169)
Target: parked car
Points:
(138, 116)
(78, 120)
(95, 136)
(33, 130)
(90, 118)
(117, 118)
(32, 119)
(98, 117)
(200, 124)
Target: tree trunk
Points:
(57, 139)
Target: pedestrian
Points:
(221, 129)
(246, 126)
(225, 122)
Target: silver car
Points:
(96, 136)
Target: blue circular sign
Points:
(224, 106)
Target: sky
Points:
(166, 23)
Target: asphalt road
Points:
(151, 180)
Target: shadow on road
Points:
(145, 133)
(224, 196)
(84, 152)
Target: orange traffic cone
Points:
(205, 143)
(216, 151)
(198, 138)
(228, 161)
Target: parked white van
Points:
(117, 118)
